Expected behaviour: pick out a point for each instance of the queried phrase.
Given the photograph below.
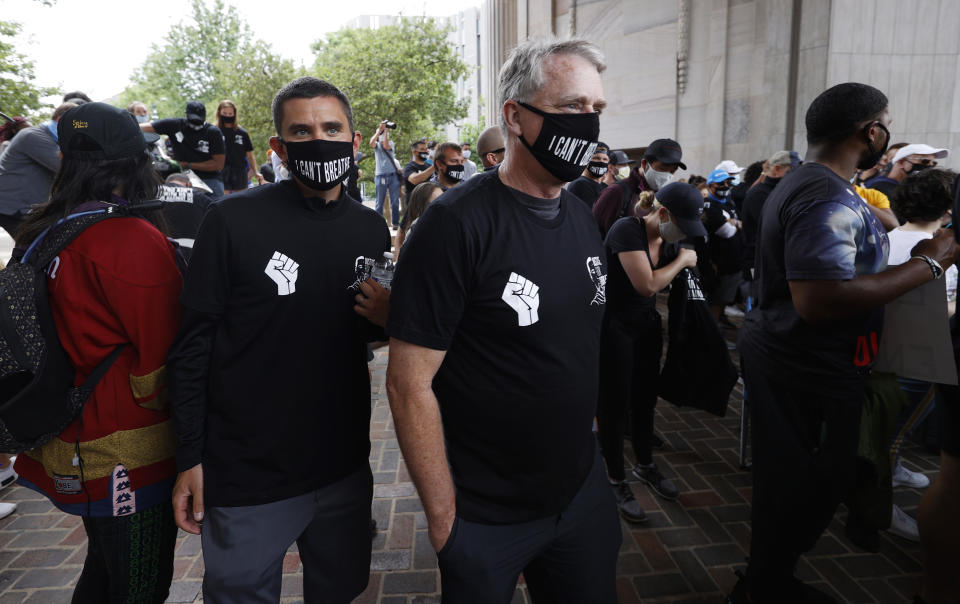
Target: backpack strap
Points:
(53, 240)
(101, 370)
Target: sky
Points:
(95, 45)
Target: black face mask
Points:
(195, 124)
(597, 168)
(423, 155)
(566, 142)
(228, 119)
(722, 193)
(875, 154)
(319, 164)
(454, 173)
(918, 167)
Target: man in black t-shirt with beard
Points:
(589, 184)
(495, 333)
(268, 375)
(808, 346)
(197, 145)
(417, 170)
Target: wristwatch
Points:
(933, 264)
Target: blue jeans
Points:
(392, 182)
(216, 185)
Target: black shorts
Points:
(235, 178)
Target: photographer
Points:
(385, 175)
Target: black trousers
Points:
(129, 558)
(805, 435)
(630, 349)
(567, 558)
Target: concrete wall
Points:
(754, 66)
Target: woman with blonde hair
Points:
(240, 165)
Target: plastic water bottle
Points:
(383, 271)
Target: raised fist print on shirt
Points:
(283, 270)
(523, 296)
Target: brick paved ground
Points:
(685, 553)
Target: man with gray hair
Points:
(495, 335)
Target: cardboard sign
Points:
(916, 336)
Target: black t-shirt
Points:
(409, 170)
(738, 195)
(586, 189)
(191, 145)
(752, 207)
(814, 226)
(288, 397)
(725, 252)
(184, 217)
(626, 235)
(516, 302)
(237, 143)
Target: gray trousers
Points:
(243, 547)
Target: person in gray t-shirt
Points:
(385, 175)
(27, 168)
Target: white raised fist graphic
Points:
(283, 270)
(523, 296)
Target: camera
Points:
(389, 124)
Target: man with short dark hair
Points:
(589, 185)
(490, 147)
(809, 344)
(495, 327)
(448, 160)
(27, 168)
(268, 375)
(197, 144)
(660, 161)
(418, 169)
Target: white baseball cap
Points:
(729, 166)
(920, 149)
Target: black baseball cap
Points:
(665, 150)
(619, 158)
(685, 203)
(196, 111)
(98, 131)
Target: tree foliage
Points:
(190, 63)
(404, 72)
(18, 93)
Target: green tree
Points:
(404, 72)
(18, 93)
(250, 79)
(190, 64)
(470, 133)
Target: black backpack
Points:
(37, 397)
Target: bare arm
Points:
(252, 162)
(886, 217)
(147, 127)
(819, 301)
(423, 175)
(416, 417)
(647, 281)
(376, 135)
(214, 164)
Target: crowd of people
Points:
(521, 314)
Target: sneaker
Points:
(627, 504)
(7, 475)
(7, 508)
(903, 525)
(903, 477)
(650, 475)
(732, 311)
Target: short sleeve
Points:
(627, 235)
(169, 126)
(429, 291)
(206, 285)
(820, 242)
(247, 143)
(215, 138)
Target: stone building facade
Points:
(732, 79)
